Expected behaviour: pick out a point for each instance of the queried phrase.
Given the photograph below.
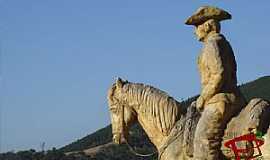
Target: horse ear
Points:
(119, 83)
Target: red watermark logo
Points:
(255, 139)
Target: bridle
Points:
(122, 123)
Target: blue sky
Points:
(58, 58)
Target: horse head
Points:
(122, 115)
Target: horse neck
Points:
(154, 134)
(146, 120)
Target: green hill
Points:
(258, 88)
(253, 89)
(137, 138)
(99, 137)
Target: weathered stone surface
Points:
(266, 146)
(253, 118)
(205, 13)
(191, 119)
(220, 99)
(152, 107)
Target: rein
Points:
(139, 154)
(126, 141)
(162, 149)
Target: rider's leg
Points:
(209, 132)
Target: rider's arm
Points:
(212, 53)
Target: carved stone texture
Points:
(220, 99)
(207, 12)
(171, 127)
(253, 118)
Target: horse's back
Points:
(254, 116)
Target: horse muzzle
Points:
(118, 138)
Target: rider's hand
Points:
(200, 103)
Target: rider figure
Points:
(220, 98)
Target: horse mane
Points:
(156, 104)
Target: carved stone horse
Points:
(171, 127)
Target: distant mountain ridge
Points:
(257, 88)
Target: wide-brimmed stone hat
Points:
(205, 13)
